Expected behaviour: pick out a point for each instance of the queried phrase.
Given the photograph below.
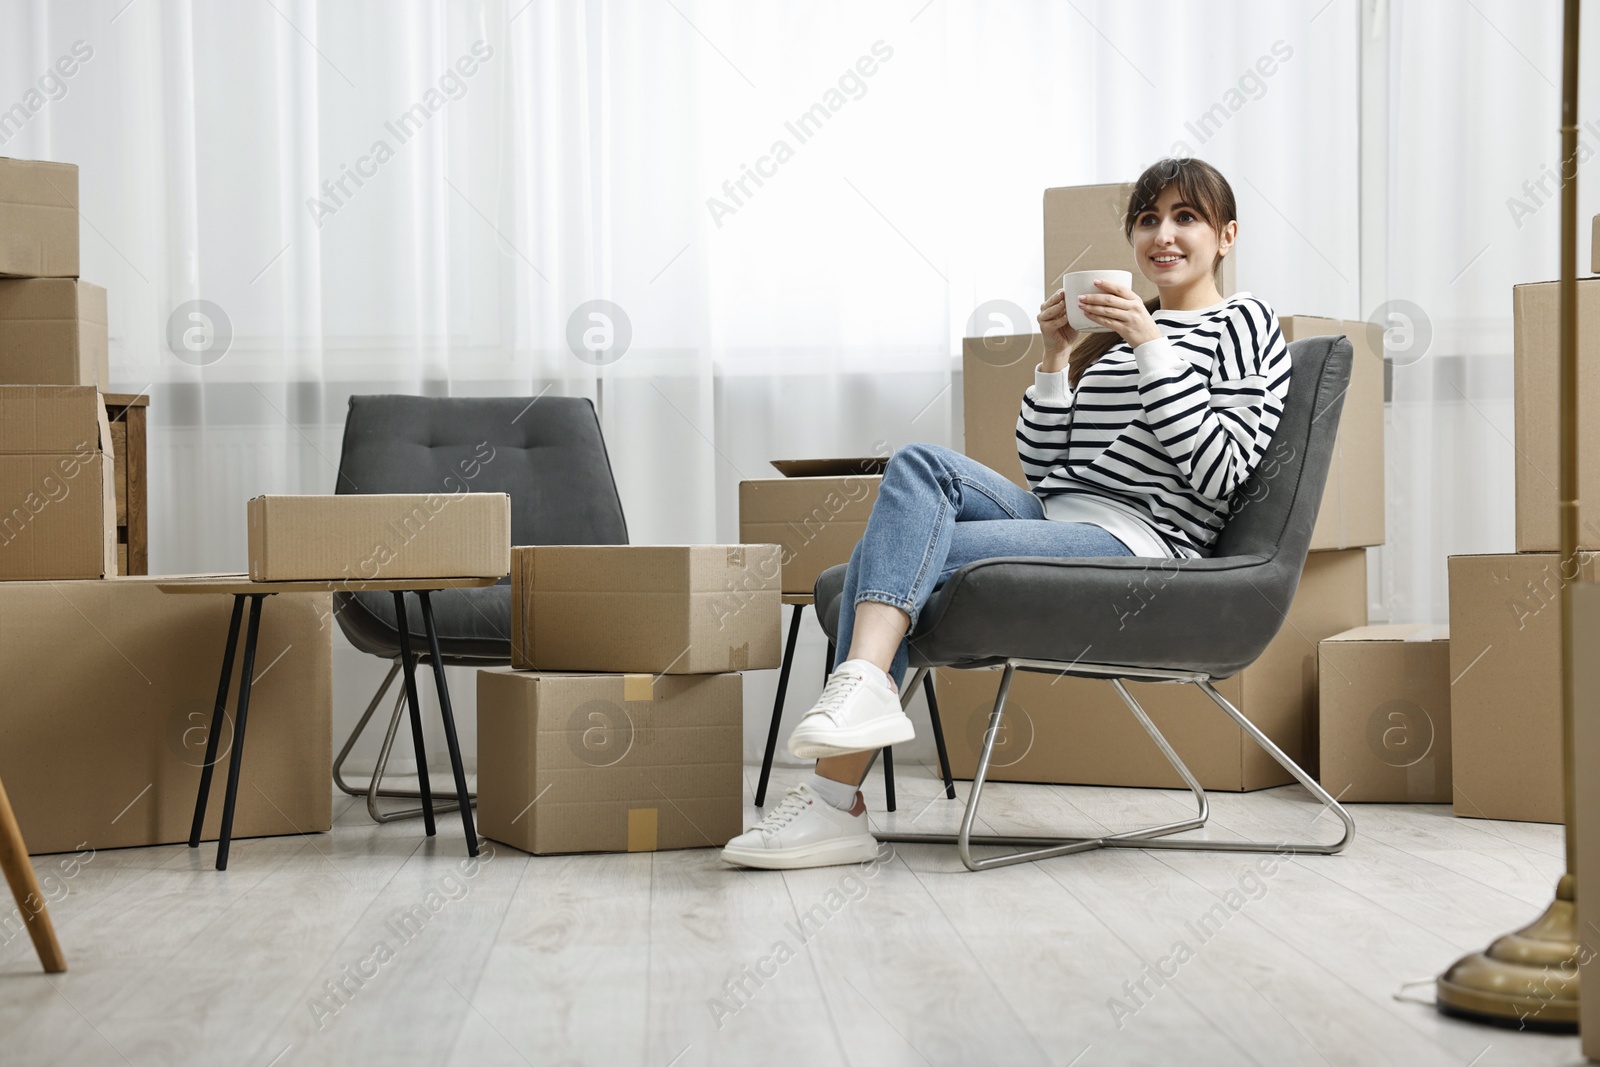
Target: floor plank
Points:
(671, 958)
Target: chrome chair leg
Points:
(1149, 837)
(373, 790)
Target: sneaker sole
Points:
(821, 854)
(880, 733)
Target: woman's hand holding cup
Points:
(1059, 336)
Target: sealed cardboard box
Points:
(53, 418)
(1586, 802)
(1384, 713)
(658, 609)
(53, 332)
(1077, 731)
(609, 762)
(110, 687)
(1083, 231)
(815, 515)
(38, 219)
(402, 535)
(1351, 513)
(996, 370)
(1505, 697)
(1536, 361)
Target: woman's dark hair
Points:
(1199, 184)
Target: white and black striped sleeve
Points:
(1042, 424)
(1217, 427)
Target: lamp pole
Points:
(1529, 978)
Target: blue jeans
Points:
(937, 511)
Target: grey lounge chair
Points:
(546, 452)
(1211, 618)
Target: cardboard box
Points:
(402, 535)
(1586, 803)
(38, 219)
(1077, 731)
(995, 371)
(110, 687)
(1594, 246)
(1537, 357)
(1083, 231)
(609, 763)
(53, 332)
(58, 515)
(1384, 713)
(1505, 697)
(815, 515)
(53, 418)
(657, 609)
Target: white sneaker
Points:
(805, 831)
(855, 713)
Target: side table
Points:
(241, 588)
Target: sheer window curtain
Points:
(229, 152)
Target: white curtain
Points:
(418, 197)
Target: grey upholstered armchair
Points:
(1211, 618)
(546, 452)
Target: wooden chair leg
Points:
(25, 887)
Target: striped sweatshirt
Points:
(1156, 442)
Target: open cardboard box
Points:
(815, 513)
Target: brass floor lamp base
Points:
(1526, 980)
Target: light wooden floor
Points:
(623, 959)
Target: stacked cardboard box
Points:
(58, 512)
(619, 725)
(1384, 711)
(1076, 730)
(110, 687)
(1505, 654)
(52, 325)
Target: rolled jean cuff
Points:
(893, 601)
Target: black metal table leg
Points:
(225, 838)
(218, 717)
(410, 667)
(449, 726)
(777, 704)
(888, 777)
(938, 736)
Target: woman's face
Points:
(1175, 247)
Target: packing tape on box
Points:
(736, 556)
(638, 687)
(641, 829)
(739, 658)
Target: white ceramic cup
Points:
(1078, 283)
